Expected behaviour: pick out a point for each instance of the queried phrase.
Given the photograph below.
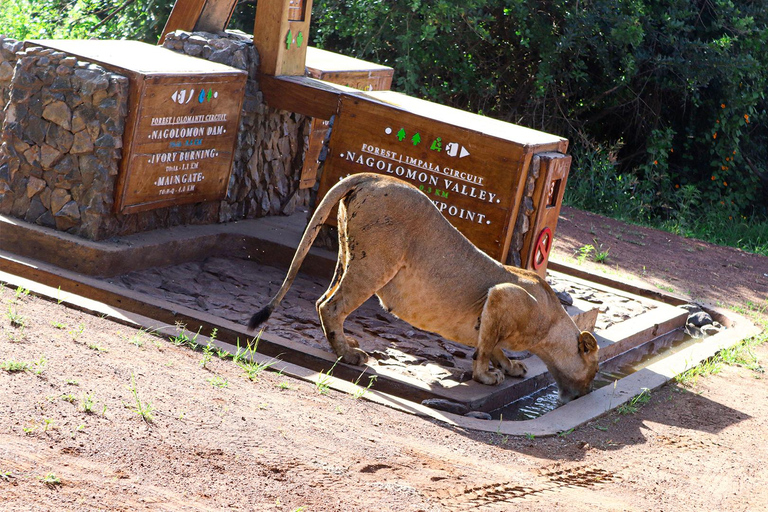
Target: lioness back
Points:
(441, 278)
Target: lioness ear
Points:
(587, 342)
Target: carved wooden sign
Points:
(181, 126)
(183, 143)
(473, 168)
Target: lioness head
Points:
(576, 371)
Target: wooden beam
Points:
(216, 15)
(184, 16)
(303, 95)
(203, 15)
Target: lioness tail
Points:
(334, 195)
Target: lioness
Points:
(393, 242)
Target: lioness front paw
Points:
(491, 377)
(355, 356)
(516, 369)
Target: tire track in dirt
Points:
(550, 480)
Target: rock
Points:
(81, 143)
(441, 404)
(59, 113)
(34, 186)
(49, 156)
(693, 331)
(67, 217)
(564, 297)
(699, 318)
(59, 198)
(479, 415)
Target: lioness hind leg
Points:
(355, 287)
(508, 366)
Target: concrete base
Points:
(271, 240)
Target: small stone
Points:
(693, 331)
(479, 415)
(59, 198)
(82, 143)
(441, 404)
(699, 319)
(59, 113)
(34, 186)
(67, 217)
(49, 156)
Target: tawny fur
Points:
(393, 242)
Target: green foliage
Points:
(664, 101)
(81, 19)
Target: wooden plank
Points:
(474, 179)
(302, 95)
(182, 149)
(184, 16)
(339, 69)
(215, 15)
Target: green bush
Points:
(81, 19)
(677, 85)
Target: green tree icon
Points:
(401, 134)
(416, 139)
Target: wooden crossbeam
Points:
(202, 15)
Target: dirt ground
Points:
(98, 416)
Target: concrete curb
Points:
(562, 419)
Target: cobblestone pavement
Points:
(234, 289)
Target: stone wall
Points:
(8, 49)
(62, 134)
(272, 143)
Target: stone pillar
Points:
(61, 139)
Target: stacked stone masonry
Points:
(62, 130)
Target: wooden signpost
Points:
(472, 167)
(181, 127)
(475, 169)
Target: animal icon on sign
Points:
(183, 96)
(454, 149)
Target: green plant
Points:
(635, 402)
(144, 410)
(21, 293)
(75, 333)
(324, 380)
(16, 319)
(218, 382)
(12, 365)
(6, 475)
(361, 392)
(584, 252)
(87, 402)
(96, 347)
(69, 397)
(50, 480)
(182, 338)
(58, 325)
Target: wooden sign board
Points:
(182, 122)
(338, 69)
(473, 168)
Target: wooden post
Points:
(281, 35)
(547, 198)
(204, 15)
